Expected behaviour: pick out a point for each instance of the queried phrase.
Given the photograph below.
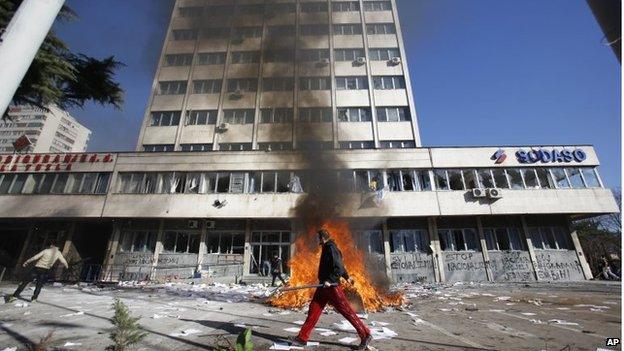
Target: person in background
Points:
(266, 268)
(276, 269)
(606, 270)
(41, 271)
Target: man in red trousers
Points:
(331, 269)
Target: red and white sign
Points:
(21, 143)
(49, 162)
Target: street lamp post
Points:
(20, 42)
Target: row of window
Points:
(54, 183)
(517, 178)
(281, 8)
(238, 35)
(401, 240)
(286, 181)
(284, 146)
(306, 55)
(179, 87)
(281, 115)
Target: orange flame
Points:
(304, 269)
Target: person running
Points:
(276, 269)
(331, 269)
(45, 260)
(606, 270)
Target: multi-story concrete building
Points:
(54, 130)
(258, 106)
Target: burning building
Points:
(269, 119)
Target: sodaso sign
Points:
(551, 156)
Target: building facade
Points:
(255, 100)
(48, 131)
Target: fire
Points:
(304, 269)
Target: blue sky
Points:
(484, 72)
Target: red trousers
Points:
(335, 297)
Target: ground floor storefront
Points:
(402, 249)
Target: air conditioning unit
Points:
(494, 193)
(478, 192)
(193, 224)
(237, 95)
(211, 224)
(223, 127)
(396, 61)
(360, 61)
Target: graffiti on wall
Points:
(464, 265)
(412, 267)
(511, 266)
(558, 266)
(134, 259)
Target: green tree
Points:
(127, 331)
(62, 77)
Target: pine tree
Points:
(127, 331)
(61, 77)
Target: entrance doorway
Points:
(264, 244)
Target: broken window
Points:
(180, 242)
(560, 178)
(591, 177)
(242, 57)
(201, 117)
(574, 175)
(245, 84)
(530, 179)
(314, 83)
(500, 178)
(456, 181)
(515, 178)
(389, 82)
(347, 29)
(545, 178)
(349, 55)
(245, 116)
(315, 114)
(385, 54)
(211, 58)
(409, 240)
(354, 114)
(212, 86)
(178, 60)
(380, 28)
(470, 179)
(276, 115)
(441, 179)
(177, 87)
(393, 114)
(313, 55)
(278, 84)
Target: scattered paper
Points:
(528, 314)
(561, 322)
(157, 316)
(383, 333)
(328, 333)
(313, 343)
(70, 344)
(344, 326)
(21, 304)
(563, 308)
(496, 311)
(293, 330)
(536, 321)
(363, 315)
(348, 340)
(282, 345)
(299, 322)
(10, 349)
(503, 298)
(6, 325)
(79, 313)
(379, 324)
(240, 325)
(186, 332)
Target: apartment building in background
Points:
(245, 92)
(54, 130)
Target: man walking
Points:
(45, 260)
(331, 269)
(276, 269)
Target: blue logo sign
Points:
(551, 156)
(499, 156)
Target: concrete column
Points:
(247, 253)
(158, 249)
(434, 244)
(484, 250)
(579, 253)
(529, 243)
(68, 239)
(29, 237)
(202, 246)
(111, 250)
(386, 242)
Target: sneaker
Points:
(295, 341)
(10, 298)
(365, 343)
(33, 300)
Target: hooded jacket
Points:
(331, 267)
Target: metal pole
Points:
(21, 41)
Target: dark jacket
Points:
(331, 267)
(276, 265)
